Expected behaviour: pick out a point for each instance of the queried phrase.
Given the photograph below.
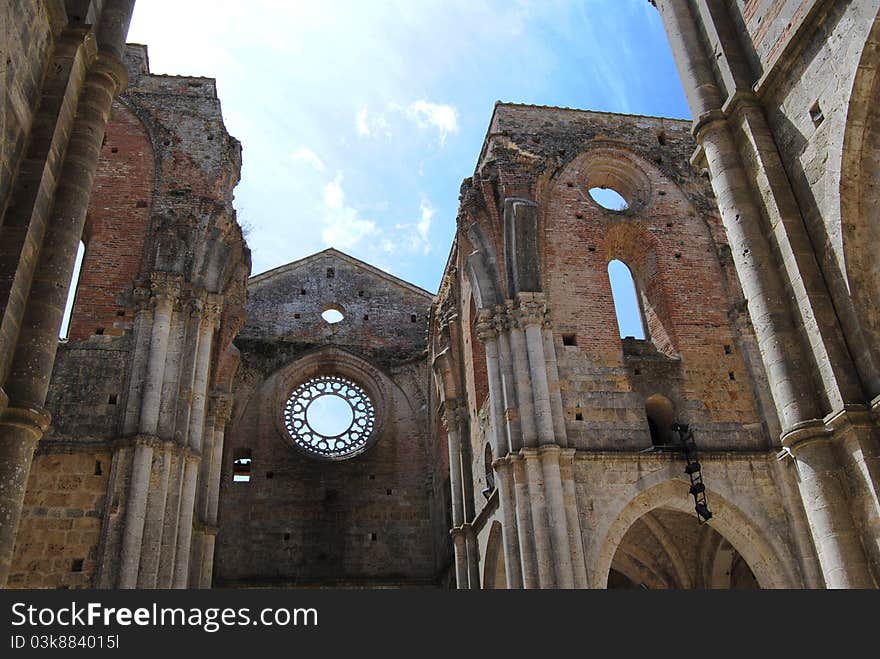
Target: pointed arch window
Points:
(630, 319)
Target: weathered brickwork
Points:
(58, 545)
(160, 224)
(370, 520)
(519, 441)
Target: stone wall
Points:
(369, 520)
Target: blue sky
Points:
(359, 119)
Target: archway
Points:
(666, 548)
(762, 553)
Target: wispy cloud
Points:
(305, 154)
(344, 227)
(440, 116)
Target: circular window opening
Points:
(332, 316)
(330, 416)
(609, 199)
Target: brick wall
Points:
(116, 228)
(57, 541)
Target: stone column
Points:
(530, 317)
(185, 526)
(223, 414)
(24, 420)
(151, 544)
(135, 515)
(843, 561)
(165, 289)
(527, 548)
(508, 382)
(210, 317)
(473, 563)
(579, 564)
(540, 521)
(523, 383)
(556, 512)
(487, 331)
(451, 413)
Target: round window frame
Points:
(332, 361)
(309, 439)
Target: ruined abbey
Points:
(326, 424)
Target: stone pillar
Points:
(508, 382)
(451, 413)
(151, 544)
(552, 366)
(556, 512)
(540, 520)
(171, 527)
(26, 386)
(527, 549)
(530, 316)
(488, 333)
(578, 561)
(223, 414)
(830, 518)
(185, 526)
(135, 515)
(202, 370)
(472, 553)
(523, 383)
(821, 483)
(165, 289)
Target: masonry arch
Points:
(860, 210)
(750, 541)
(494, 570)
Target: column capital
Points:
(802, 434)
(213, 308)
(532, 310)
(486, 325)
(165, 286)
(452, 414)
(222, 403)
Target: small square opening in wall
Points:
(728, 350)
(302, 291)
(578, 416)
(412, 318)
(76, 565)
(732, 376)
(389, 492)
(120, 313)
(360, 293)
(374, 537)
(114, 150)
(331, 273)
(296, 315)
(99, 331)
(111, 399)
(366, 316)
(569, 339)
(816, 114)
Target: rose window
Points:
(330, 416)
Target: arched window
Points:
(626, 301)
(71, 292)
(661, 416)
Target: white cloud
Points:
(334, 196)
(424, 224)
(370, 124)
(344, 228)
(305, 154)
(360, 121)
(442, 117)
